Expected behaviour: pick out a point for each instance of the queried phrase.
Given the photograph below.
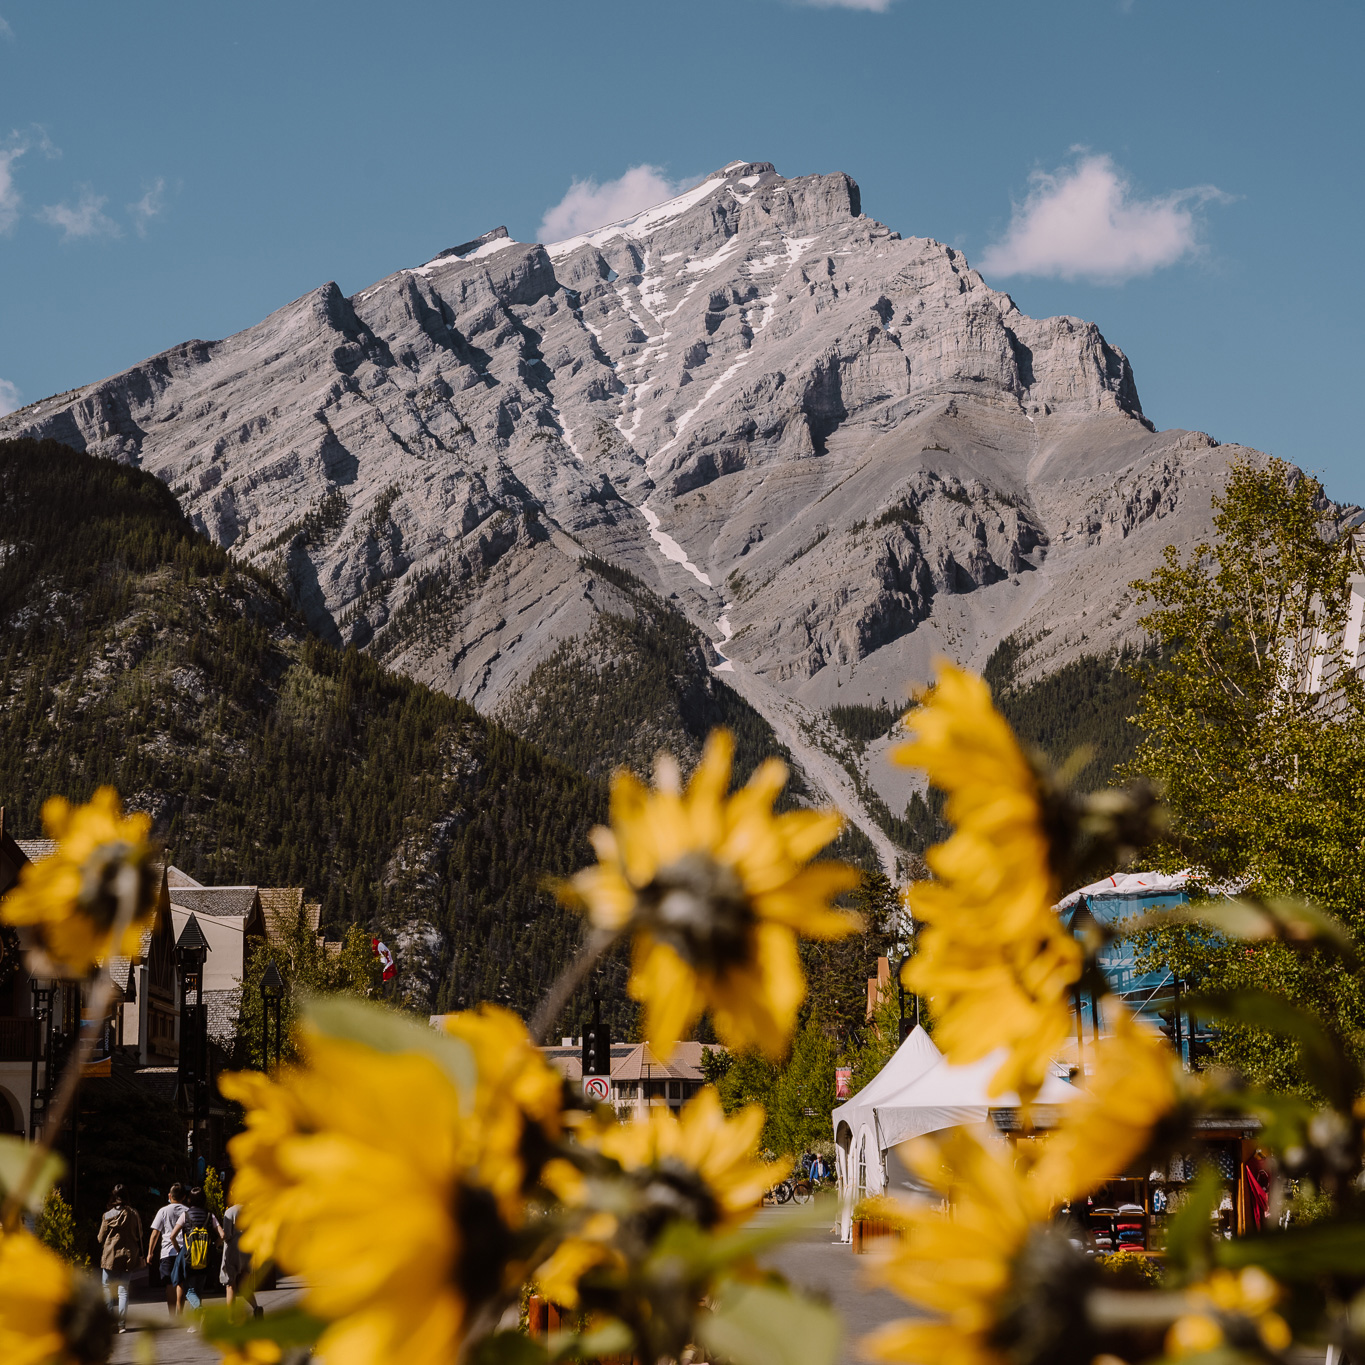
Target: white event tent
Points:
(918, 1091)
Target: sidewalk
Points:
(150, 1326)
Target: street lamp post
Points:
(191, 953)
(907, 1025)
(272, 996)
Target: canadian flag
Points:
(381, 951)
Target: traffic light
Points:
(596, 1044)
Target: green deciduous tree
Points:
(1256, 734)
(307, 966)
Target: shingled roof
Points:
(224, 1010)
(33, 849)
(215, 900)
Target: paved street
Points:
(812, 1260)
(816, 1262)
(149, 1339)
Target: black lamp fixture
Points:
(272, 997)
(906, 1025)
(191, 953)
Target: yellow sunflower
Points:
(50, 1314)
(398, 1203)
(699, 1165)
(716, 889)
(517, 1099)
(1249, 1294)
(993, 958)
(959, 1266)
(1131, 1088)
(73, 897)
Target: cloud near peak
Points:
(9, 397)
(875, 6)
(10, 198)
(149, 206)
(589, 205)
(86, 218)
(1085, 222)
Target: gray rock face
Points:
(840, 449)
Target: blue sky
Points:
(170, 171)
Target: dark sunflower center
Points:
(697, 906)
(485, 1244)
(86, 1323)
(669, 1192)
(1041, 1319)
(107, 876)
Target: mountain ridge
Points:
(838, 451)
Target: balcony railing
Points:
(18, 1039)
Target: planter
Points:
(865, 1229)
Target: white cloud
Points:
(10, 197)
(6, 31)
(1085, 222)
(589, 205)
(9, 397)
(86, 219)
(148, 206)
(875, 6)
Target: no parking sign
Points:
(597, 1088)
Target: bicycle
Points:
(781, 1193)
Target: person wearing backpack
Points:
(196, 1232)
(163, 1247)
(120, 1239)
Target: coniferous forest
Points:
(137, 653)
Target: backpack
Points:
(197, 1247)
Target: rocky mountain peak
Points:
(838, 449)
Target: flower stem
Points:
(568, 981)
(97, 1009)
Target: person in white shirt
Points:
(165, 1245)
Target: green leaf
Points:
(1293, 922)
(15, 1154)
(610, 1338)
(1283, 1117)
(1325, 1061)
(762, 1324)
(1188, 1233)
(1300, 1253)
(508, 1348)
(709, 1253)
(287, 1327)
(385, 1030)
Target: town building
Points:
(1155, 994)
(143, 1041)
(639, 1080)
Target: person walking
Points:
(120, 1239)
(236, 1262)
(164, 1250)
(193, 1232)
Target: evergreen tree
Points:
(803, 1095)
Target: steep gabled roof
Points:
(192, 936)
(175, 877)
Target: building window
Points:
(675, 1090)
